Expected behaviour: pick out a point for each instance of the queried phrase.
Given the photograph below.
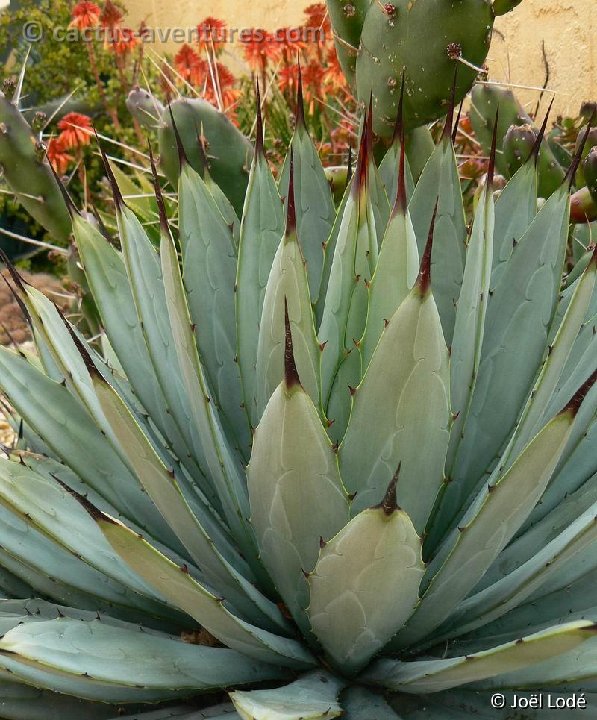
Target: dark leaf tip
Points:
(182, 156)
(300, 101)
(424, 279)
(158, 195)
(83, 352)
(116, 194)
(535, 152)
(401, 202)
(457, 122)
(449, 126)
(290, 372)
(390, 502)
(362, 169)
(577, 159)
(259, 139)
(94, 511)
(68, 201)
(290, 200)
(493, 153)
(578, 399)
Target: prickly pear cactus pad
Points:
(342, 465)
(424, 39)
(25, 168)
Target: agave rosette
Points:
(335, 462)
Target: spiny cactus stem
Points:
(424, 279)
(290, 372)
(501, 7)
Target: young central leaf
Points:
(288, 285)
(295, 492)
(401, 413)
(366, 585)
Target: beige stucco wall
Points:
(568, 28)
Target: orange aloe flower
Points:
(75, 130)
(259, 48)
(85, 15)
(226, 81)
(318, 18)
(212, 35)
(288, 79)
(58, 156)
(189, 65)
(111, 15)
(334, 78)
(123, 40)
(313, 87)
(291, 40)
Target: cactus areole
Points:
(427, 40)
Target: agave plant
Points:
(335, 462)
